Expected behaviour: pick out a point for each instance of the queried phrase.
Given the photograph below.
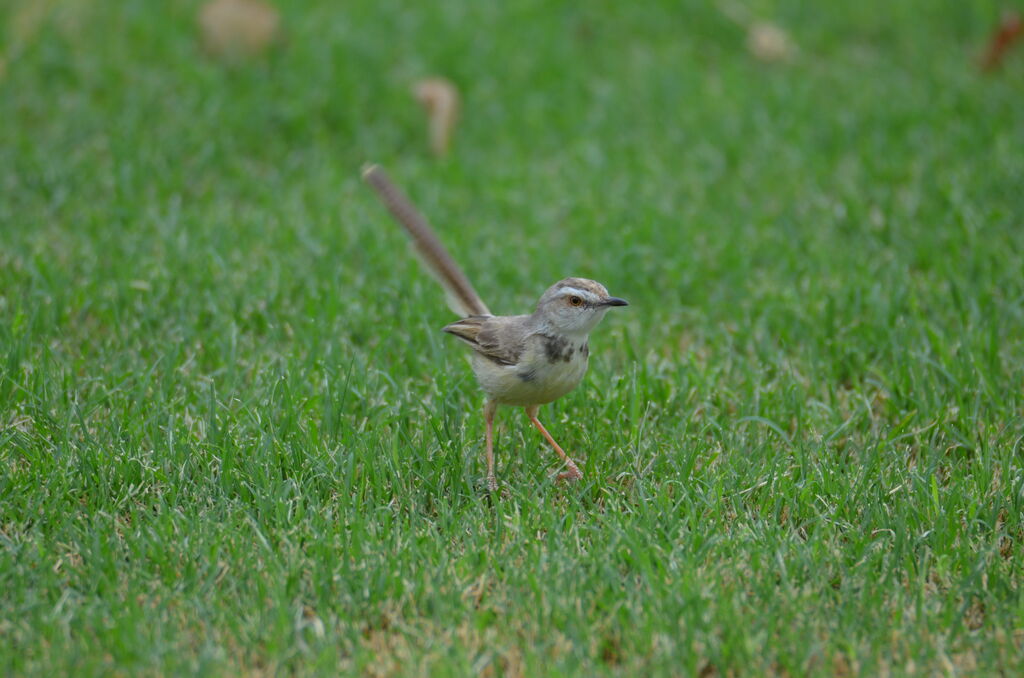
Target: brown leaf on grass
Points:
(23, 25)
(768, 42)
(1009, 31)
(440, 99)
(238, 28)
(25, 20)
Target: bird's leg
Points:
(489, 408)
(573, 471)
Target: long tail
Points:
(462, 298)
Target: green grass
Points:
(233, 440)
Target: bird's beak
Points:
(614, 301)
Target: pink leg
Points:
(489, 408)
(572, 472)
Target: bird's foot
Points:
(491, 490)
(570, 475)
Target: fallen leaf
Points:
(232, 28)
(1007, 33)
(768, 42)
(440, 99)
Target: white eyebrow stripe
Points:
(566, 291)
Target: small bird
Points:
(519, 360)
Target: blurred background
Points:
(768, 168)
(699, 154)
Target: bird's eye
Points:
(576, 301)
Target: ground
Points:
(234, 441)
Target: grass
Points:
(233, 440)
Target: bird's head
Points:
(576, 305)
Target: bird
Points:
(519, 360)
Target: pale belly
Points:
(536, 380)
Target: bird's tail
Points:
(462, 298)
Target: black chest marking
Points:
(557, 348)
(585, 349)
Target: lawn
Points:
(234, 441)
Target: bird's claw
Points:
(570, 475)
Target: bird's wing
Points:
(500, 339)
